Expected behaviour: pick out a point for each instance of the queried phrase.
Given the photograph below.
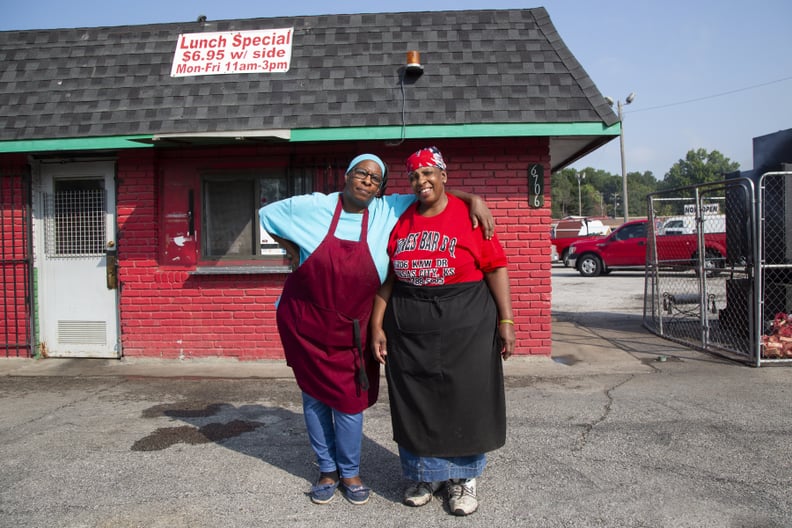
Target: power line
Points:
(706, 97)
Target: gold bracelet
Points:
(507, 321)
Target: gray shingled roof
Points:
(480, 67)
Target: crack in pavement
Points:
(589, 427)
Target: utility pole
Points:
(630, 98)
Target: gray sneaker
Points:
(462, 496)
(420, 493)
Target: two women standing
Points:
(324, 311)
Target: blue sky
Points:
(706, 73)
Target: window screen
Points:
(75, 218)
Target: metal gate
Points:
(773, 341)
(731, 292)
(16, 262)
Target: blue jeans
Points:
(436, 469)
(335, 437)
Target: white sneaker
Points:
(462, 496)
(420, 493)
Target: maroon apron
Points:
(323, 317)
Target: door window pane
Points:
(76, 218)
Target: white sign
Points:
(706, 209)
(260, 51)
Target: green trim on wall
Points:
(57, 145)
(302, 135)
(454, 131)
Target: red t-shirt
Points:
(442, 249)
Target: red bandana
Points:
(427, 157)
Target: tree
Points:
(640, 185)
(600, 191)
(563, 193)
(699, 166)
(605, 189)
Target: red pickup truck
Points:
(626, 248)
(569, 230)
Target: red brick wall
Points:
(15, 332)
(165, 310)
(168, 312)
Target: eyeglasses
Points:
(362, 174)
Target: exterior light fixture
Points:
(408, 74)
(413, 64)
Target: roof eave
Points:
(579, 138)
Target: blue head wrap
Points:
(364, 157)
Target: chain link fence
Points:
(719, 267)
(774, 254)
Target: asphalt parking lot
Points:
(578, 298)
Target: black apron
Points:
(444, 370)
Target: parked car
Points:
(571, 229)
(626, 248)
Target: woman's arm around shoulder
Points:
(479, 212)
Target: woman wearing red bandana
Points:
(443, 321)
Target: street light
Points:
(615, 197)
(580, 175)
(630, 99)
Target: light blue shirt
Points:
(305, 220)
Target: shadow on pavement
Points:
(624, 332)
(274, 435)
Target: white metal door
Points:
(78, 311)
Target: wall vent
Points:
(82, 332)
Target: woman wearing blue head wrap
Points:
(324, 310)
